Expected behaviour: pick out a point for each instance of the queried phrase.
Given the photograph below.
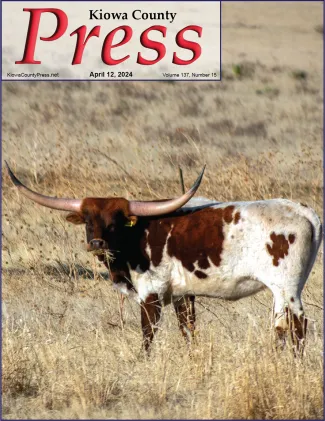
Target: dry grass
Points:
(66, 351)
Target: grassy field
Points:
(67, 350)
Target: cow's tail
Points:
(317, 234)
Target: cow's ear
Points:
(75, 218)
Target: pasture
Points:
(67, 350)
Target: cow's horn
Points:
(164, 207)
(51, 202)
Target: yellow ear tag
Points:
(130, 223)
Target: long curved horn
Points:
(51, 202)
(167, 206)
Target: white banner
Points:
(111, 40)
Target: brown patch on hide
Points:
(280, 247)
(200, 274)
(227, 214)
(304, 205)
(156, 251)
(203, 262)
(237, 217)
(190, 237)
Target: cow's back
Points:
(219, 248)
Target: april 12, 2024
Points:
(96, 75)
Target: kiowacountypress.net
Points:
(33, 75)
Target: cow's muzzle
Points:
(97, 244)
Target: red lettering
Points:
(34, 20)
(81, 41)
(189, 45)
(108, 45)
(153, 45)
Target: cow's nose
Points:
(97, 244)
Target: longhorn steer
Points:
(162, 252)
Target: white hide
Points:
(246, 266)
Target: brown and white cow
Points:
(173, 250)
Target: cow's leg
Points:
(185, 311)
(289, 316)
(150, 315)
